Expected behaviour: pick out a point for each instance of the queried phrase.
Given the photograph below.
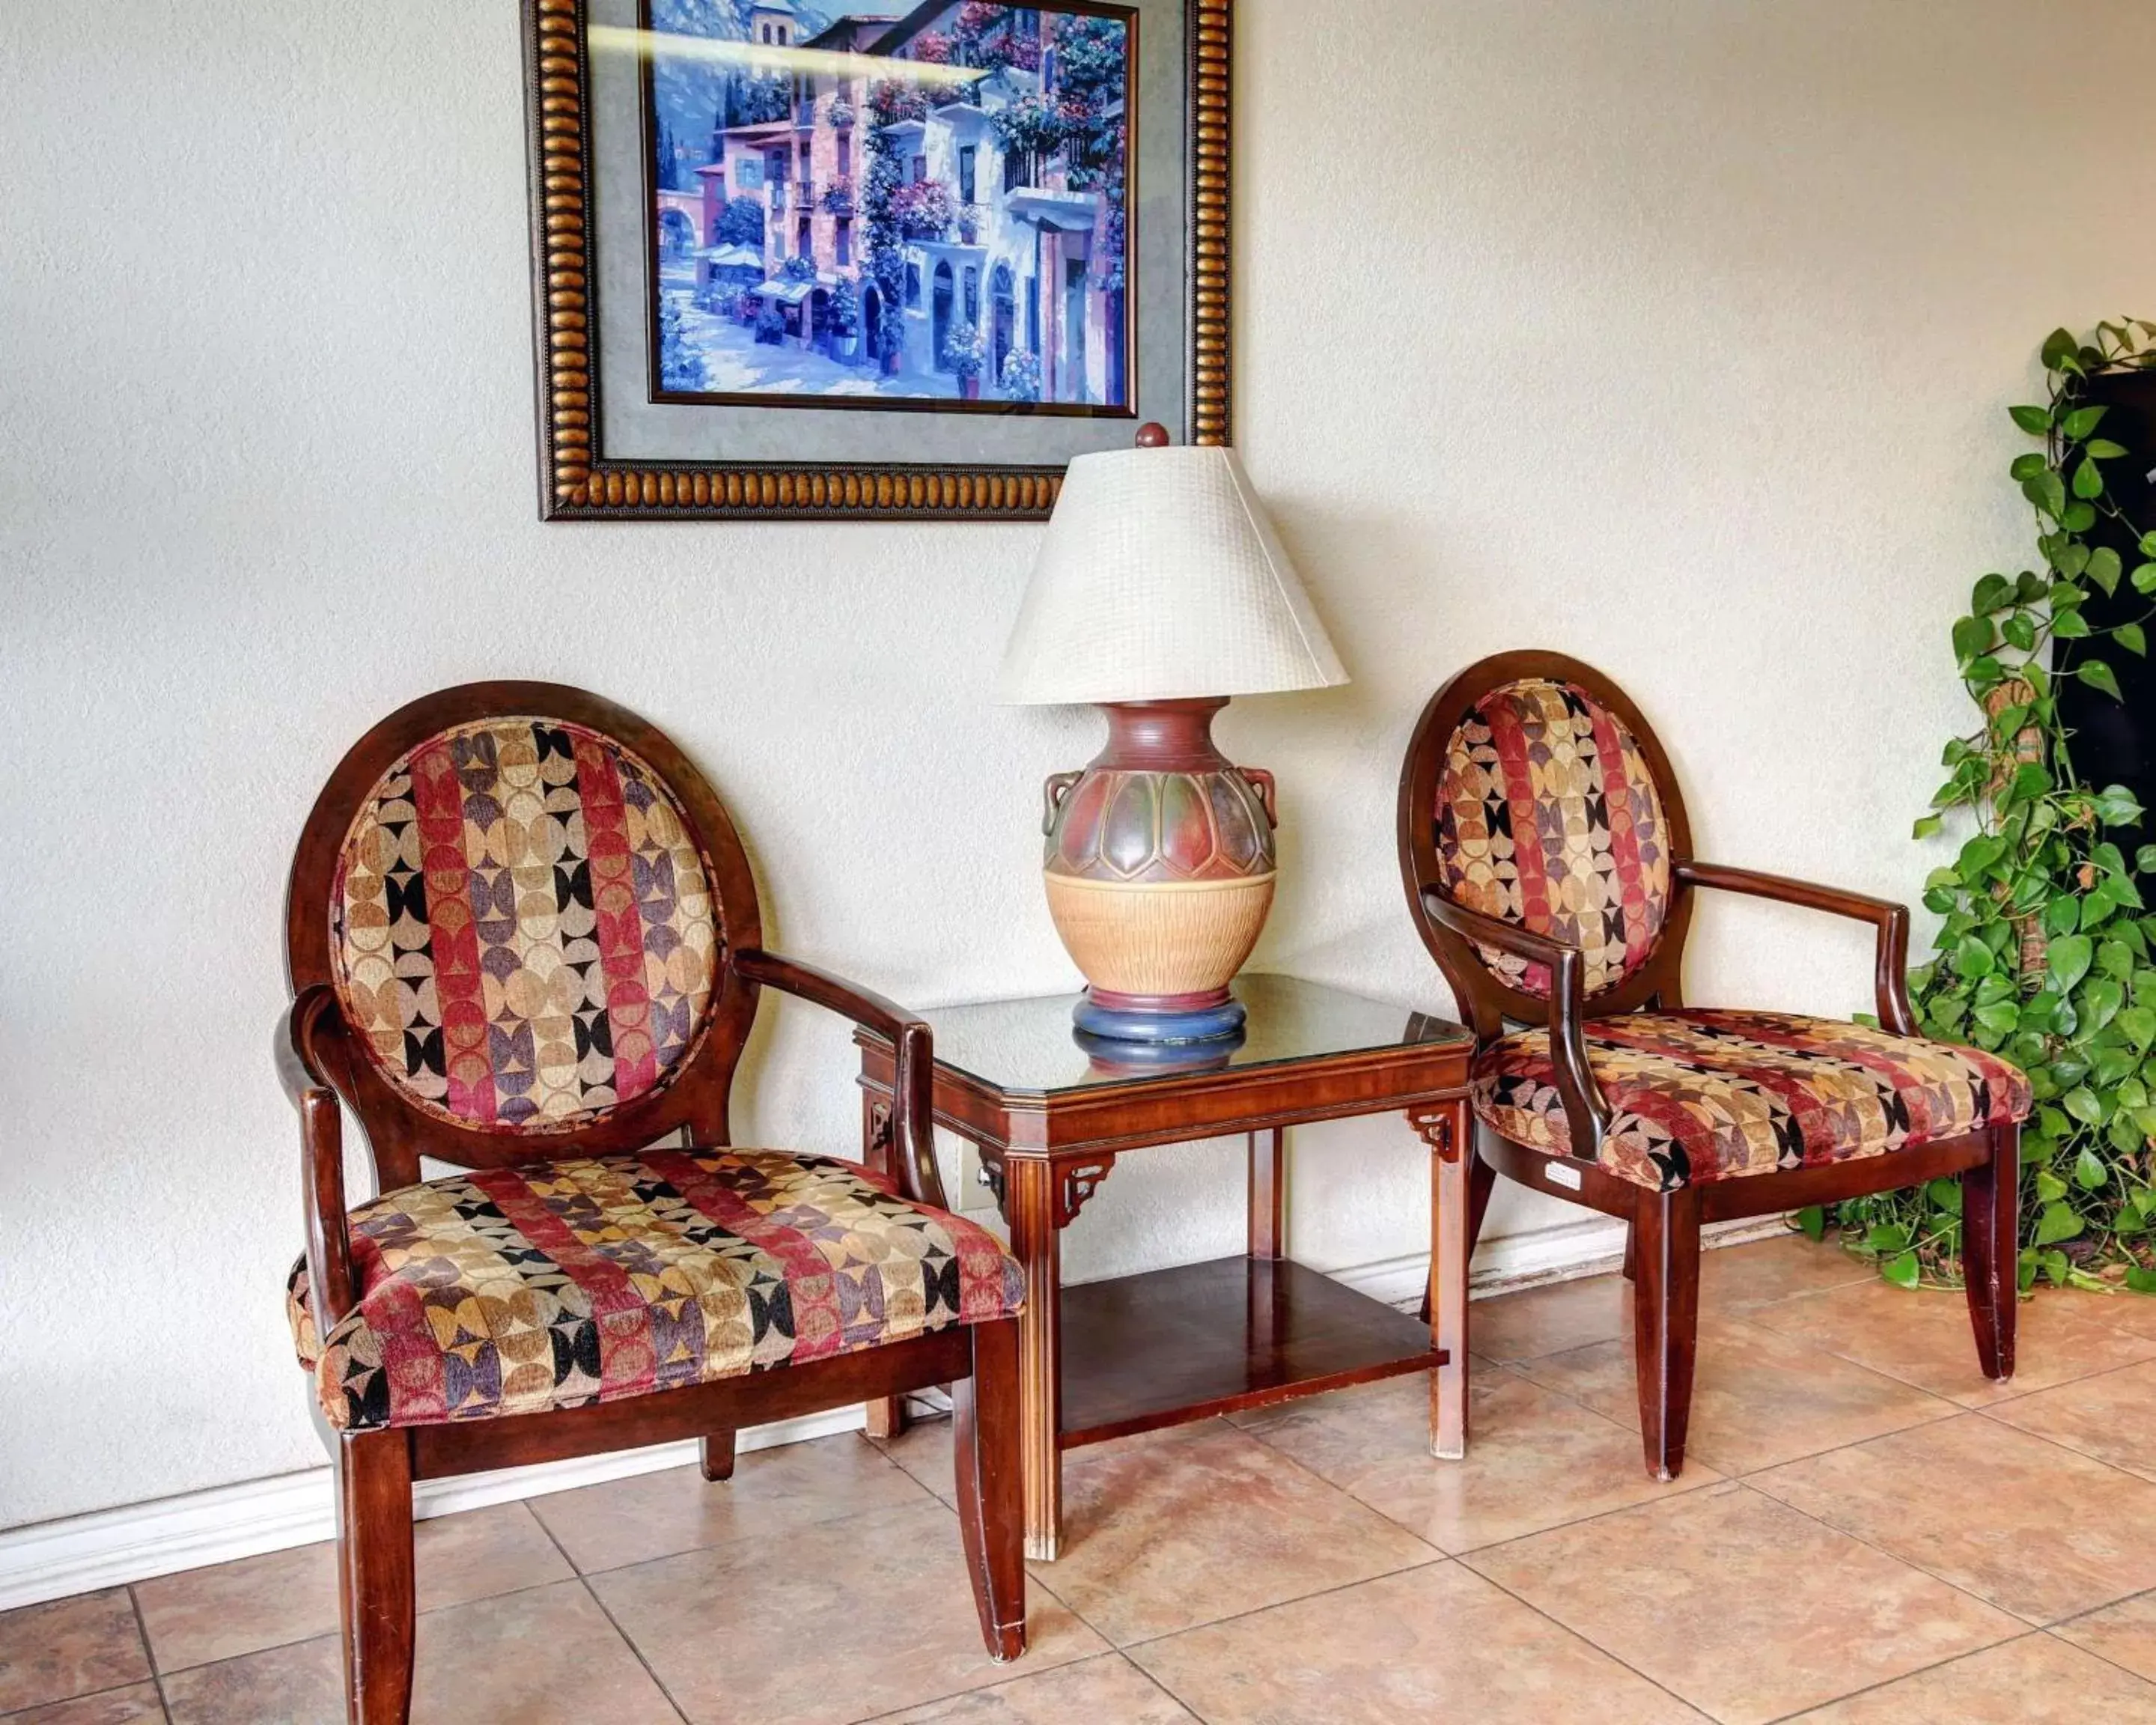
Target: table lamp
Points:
(1160, 591)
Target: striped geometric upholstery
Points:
(1548, 817)
(554, 1285)
(1704, 1095)
(523, 935)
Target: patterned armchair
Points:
(1548, 865)
(523, 940)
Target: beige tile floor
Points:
(1866, 1532)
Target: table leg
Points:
(1269, 1193)
(1446, 1128)
(886, 1414)
(1030, 1209)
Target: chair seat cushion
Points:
(554, 1285)
(1703, 1095)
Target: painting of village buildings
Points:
(886, 206)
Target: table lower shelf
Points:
(1148, 1351)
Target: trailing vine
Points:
(2047, 953)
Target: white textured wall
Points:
(1674, 333)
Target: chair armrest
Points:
(1586, 1111)
(333, 1286)
(1891, 967)
(912, 1101)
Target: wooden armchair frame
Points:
(320, 1065)
(1662, 1254)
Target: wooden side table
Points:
(1050, 1118)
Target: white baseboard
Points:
(51, 1560)
(1560, 1253)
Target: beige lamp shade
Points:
(1160, 579)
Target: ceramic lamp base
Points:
(1159, 873)
(1141, 1018)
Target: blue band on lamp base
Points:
(1181, 1024)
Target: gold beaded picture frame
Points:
(797, 261)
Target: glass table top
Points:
(1032, 1046)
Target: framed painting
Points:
(798, 258)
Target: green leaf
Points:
(2020, 632)
(1980, 855)
(1903, 1272)
(2101, 1000)
(1992, 593)
(2070, 956)
(2090, 1173)
(2115, 959)
(2070, 626)
(2104, 568)
(2056, 1223)
(2049, 1186)
(1945, 1196)
(1812, 1219)
(1887, 1237)
(2028, 466)
(2062, 916)
(2035, 421)
(2143, 579)
(2000, 1017)
(2141, 1281)
(2085, 1105)
(2082, 423)
(2116, 806)
(1972, 635)
(2097, 675)
(2148, 545)
(2058, 346)
(2131, 637)
(2088, 480)
(2077, 518)
(2030, 782)
(2104, 450)
(1928, 826)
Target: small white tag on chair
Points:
(1558, 1175)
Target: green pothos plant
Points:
(2047, 953)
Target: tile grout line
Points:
(2024, 1624)
(149, 1656)
(591, 1593)
(2052, 1630)
(1746, 1481)
(2030, 1631)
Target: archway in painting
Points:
(677, 234)
(941, 292)
(872, 326)
(819, 320)
(1003, 299)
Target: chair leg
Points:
(1666, 1321)
(991, 1501)
(1632, 1252)
(1991, 1250)
(719, 1457)
(375, 1592)
(1481, 1179)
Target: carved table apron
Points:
(1051, 1118)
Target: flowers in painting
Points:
(966, 350)
(1021, 378)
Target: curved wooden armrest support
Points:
(333, 1287)
(1890, 969)
(912, 1105)
(1586, 1111)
